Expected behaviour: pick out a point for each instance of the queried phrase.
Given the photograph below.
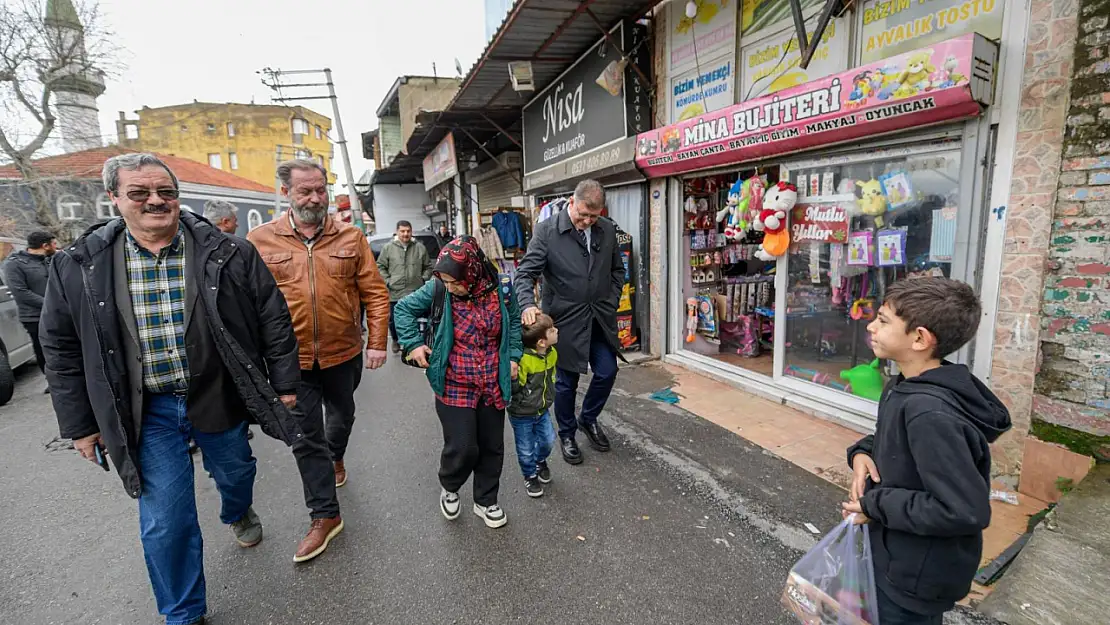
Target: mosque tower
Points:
(76, 87)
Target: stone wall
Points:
(1050, 45)
(1071, 386)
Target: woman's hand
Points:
(514, 370)
(420, 356)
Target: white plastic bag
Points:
(834, 584)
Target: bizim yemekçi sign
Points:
(948, 81)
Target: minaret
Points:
(76, 87)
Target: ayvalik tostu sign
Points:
(591, 105)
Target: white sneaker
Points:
(449, 505)
(494, 516)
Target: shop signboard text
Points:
(947, 82)
(895, 26)
(823, 223)
(441, 165)
(588, 106)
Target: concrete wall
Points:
(657, 200)
(423, 94)
(259, 130)
(393, 202)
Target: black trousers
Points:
(392, 327)
(324, 391)
(32, 328)
(473, 442)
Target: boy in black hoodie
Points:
(923, 479)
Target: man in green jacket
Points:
(405, 267)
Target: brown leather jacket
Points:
(324, 287)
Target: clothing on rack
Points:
(490, 242)
(551, 208)
(507, 224)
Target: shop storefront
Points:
(583, 126)
(888, 163)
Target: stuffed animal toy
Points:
(778, 202)
(731, 214)
(872, 200)
(916, 75)
(865, 380)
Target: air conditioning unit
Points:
(520, 72)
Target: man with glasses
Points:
(577, 255)
(327, 273)
(157, 327)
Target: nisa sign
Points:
(594, 103)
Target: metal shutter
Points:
(497, 191)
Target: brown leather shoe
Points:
(318, 537)
(340, 473)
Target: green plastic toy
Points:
(865, 380)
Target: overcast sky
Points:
(209, 50)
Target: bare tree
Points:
(46, 47)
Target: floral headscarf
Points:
(464, 261)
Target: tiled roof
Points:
(87, 164)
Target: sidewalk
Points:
(814, 445)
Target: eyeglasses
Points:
(141, 195)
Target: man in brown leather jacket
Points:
(327, 273)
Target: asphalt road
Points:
(648, 533)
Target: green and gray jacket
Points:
(404, 269)
(534, 386)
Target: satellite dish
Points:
(458, 67)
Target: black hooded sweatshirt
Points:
(932, 501)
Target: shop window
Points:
(861, 223)
(859, 227)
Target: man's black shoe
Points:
(598, 439)
(250, 434)
(570, 450)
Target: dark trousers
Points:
(603, 362)
(32, 328)
(473, 442)
(331, 390)
(392, 327)
(891, 613)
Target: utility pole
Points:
(272, 79)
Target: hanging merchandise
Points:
(691, 318)
(859, 248)
(890, 246)
(772, 220)
(507, 224)
(898, 189)
(490, 243)
(872, 200)
(707, 316)
(942, 243)
(815, 262)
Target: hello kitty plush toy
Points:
(778, 201)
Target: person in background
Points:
(529, 409)
(327, 273)
(577, 255)
(224, 215)
(923, 479)
(136, 366)
(405, 267)
(25, 275)
(470, 365)
(444, 234)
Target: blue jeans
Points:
(168, 526)
(534, 438)
(603, 362)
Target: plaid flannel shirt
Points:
(472, 365)
(157, 286)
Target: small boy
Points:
(923, 479)
(533, 393)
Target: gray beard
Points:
(310, 215)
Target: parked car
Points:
(15, 345)
(429, 239)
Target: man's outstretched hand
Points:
(528, 317)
